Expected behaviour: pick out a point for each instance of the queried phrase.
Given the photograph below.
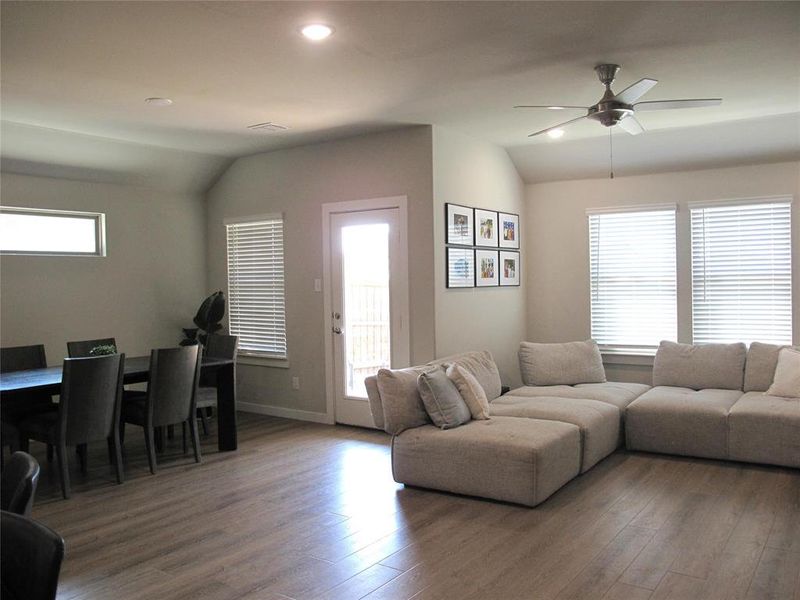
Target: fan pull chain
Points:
(611, 153)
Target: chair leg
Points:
(159, 438)
(170, 432)
(63, 467)
(83, 451)
(185, 440)
(149, 441)
(204, 419)
(50, 452)
(116, 446)
(110, 446)
(195, 438)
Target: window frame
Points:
(99, 230)
(255, 357)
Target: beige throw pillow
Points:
(471, 391)
(787, 375)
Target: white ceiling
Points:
(86, 67)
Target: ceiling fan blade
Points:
(668, 104)
(558, 107)
(631, 125)
(556, 126)
(633, 92)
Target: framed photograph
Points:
(509, 268)
(460, 225)
(509, 230)
(486, 228)
(487, 268)
(460, 267)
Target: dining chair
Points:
(20, 405)
(18, 484)
(30, 558)
(88, 411)
(217, 346)
(83, 348)
(170, 398)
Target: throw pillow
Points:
(444, 404)
(471, 391)
(561, 364)
(787, 375)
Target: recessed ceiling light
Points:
(555, 133)
(316, 31)
(158, 101)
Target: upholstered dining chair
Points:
(83, 348)
(18, 484)
(170, 398)
(30, 558)
(217, 346)
(88, 411)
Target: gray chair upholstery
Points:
(170, 399)
(18, 484)
(30, 559)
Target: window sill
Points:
(262, 361)
(627, 356)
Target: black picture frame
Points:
(503, 219)
(454, 234)
(505, 280)
(482, 255)
(459, 275)
(486, 224)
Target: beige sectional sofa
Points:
(708, 401)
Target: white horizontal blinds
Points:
(633, 277)
(742, 272)
(256, 299)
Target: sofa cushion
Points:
(676, 420)
(765, 429)
(707, 366)
(441, 398)
(599, 422)
(787, 374)
(618, 393)
(402, 405)
(759, 369)
(470, 390)
(561, 364)
(503, 458)
(481, 365)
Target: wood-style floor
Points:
(311, 511)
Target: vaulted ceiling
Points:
(86, 67)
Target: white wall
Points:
(297, 182)
(481, 175)
(142, 293)
(557, 259)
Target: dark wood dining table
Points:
(137, 370)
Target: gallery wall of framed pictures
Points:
(481, 247)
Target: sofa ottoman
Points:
(599, 423)
(676, 420)
(618, 393)
(765, 429)
(503, 458)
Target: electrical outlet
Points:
(295, 383)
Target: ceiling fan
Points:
(618, 109)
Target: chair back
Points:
(83, 348)
(18, 484)
(30, 558)
(22, 358)
(218, 346)
(171, 392)
(91, 396)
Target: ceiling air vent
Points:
(268, 126)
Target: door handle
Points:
(337, 330)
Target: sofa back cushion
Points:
(443, 402)
(759, 370)
(706, 366)
(402, 404)
(561, 364)
(787, 375)
(481, 365)
(375, 403)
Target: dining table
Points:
(137, 370)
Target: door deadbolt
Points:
(337, 330)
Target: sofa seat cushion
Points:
(676, 420)
(599, 422)
(612, 392)
(765, 429)
(504, 458)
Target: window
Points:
(256, 305)
(633, 281)
(51, 232)
(742, 271)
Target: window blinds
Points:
(256, 300)
(742, 272)
(633, 279)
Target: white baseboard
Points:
(286, 413)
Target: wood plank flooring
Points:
(306, 511)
